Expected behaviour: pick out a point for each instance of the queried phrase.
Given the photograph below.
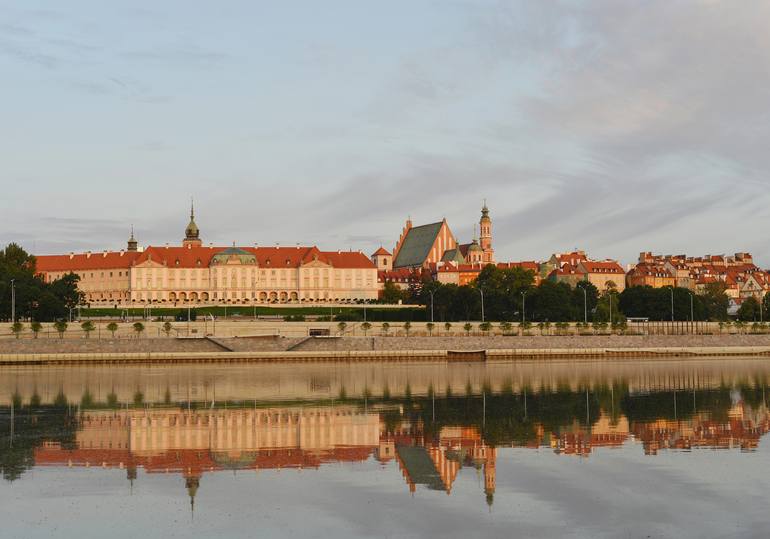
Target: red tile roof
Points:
(525, 264)
(190, 257)
(381, 251)
(608, 266)
(85, 261)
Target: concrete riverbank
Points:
(470, 348)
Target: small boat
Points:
(466, 355)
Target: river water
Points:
(526, 449)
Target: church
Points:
(425, 246)
(192, 273)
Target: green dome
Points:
(233, 253)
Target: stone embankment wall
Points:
(277, 344)
(529, 342)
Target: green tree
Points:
(749, 310)
(505, 327)
(87, 328)
(17, 328)
(138, 328)
(607, 306)
(366, 326)
(60, 326)
(447, 326)
(36, 328)
(167, 327)
(407, 327)
(385, 328)
(112, 327)
(429, 326)
(341, 327)
(551, 302)
(468, 327)
(486, 327)
(715, 301)
(35, 298)
(391, 293)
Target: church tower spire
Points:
(485, 237)
(192, 233)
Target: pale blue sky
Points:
(612, 126)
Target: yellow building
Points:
(195, 274)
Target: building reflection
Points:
(430, 450)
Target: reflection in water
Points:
(431, 435)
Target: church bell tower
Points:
(485, 235)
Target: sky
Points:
(615, 127)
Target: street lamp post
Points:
(523, 295)
(13, 300)
(431, 292)
(481, 291)
(585, 305)
(692, 310)
(672, 304)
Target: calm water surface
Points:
(604, 449)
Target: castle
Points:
(192, 273)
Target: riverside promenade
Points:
(345, 348)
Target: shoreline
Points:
(378, 349)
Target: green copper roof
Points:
(223, 257)
(453, 255)
(416, 246)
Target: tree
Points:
(167, 327)
(505, 327)
(391, 293)
(749, 310)
(468, 327)
(341, 327)
(112, 327)
(60, 326)
(36, 328)
(385, 327)
(608, 306)
(447, 326)
(17, 328)
(486, 327)
(715, 301)
(429, 326)
(552, 302)
(407, 327)
(87, 328)
(366, 326)
(35, 298)
(138, 328)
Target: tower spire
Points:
(192, 233)
(132, 244)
